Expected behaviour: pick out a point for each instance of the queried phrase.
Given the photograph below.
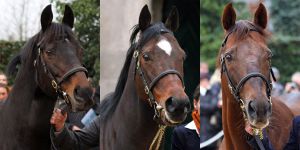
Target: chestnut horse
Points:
(150, 92)
(50, 67)
(246, 83)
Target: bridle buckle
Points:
(66, 98)
(146, 90)
(54, 84)
(136, 54)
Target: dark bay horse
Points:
(150, 84)
(245, 61)
(50, 66)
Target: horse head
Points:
(58, 61)
(245, 60)
(159, 71)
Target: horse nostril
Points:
(83, 94)
(269, 108)
(169, 105)
(174, 105)
(76, 90)
(252, 109)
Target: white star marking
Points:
(165, 46)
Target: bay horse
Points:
(150, 92)
(245, 63)
(50, 66)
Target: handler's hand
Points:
(58, 120)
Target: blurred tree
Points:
(286, 36)
(211, 31)
(8, 49)
(87, 28)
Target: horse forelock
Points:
(151, 32)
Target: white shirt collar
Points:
(191, 126)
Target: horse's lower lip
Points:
(258, 125)
(174, 120)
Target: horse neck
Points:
(133, 118)
(29, 111)
(26, 97)
(233, 121)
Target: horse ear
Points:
(172, 21)
(46, 17)
(68, 18)
(261, 17)
(145, 18)
(229, 17)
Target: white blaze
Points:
(165, 46)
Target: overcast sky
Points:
(13, 13)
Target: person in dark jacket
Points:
(187, 137)
(66, 139)
(210, 112)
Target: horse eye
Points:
(228, 57)
(66, 40)
(146, 57)
(49, 52)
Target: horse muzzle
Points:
(258, 113)
(176, 109)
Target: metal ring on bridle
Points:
(136, 54)
(54, 84)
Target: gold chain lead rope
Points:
(258, 132)
(158, 137)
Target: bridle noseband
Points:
(55, 82)
(235, 90)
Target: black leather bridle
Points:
(56, 82)
(235, 89)
(149, 85)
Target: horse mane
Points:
(241, 30)
(28, 51)
(111, 101)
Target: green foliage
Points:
(286, 37)
(7, 51)
(285, 17)
(87, 28)
(211, 31)
(286, 55)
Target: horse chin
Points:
(171, 121)
(259, 125)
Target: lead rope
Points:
(158, 137)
